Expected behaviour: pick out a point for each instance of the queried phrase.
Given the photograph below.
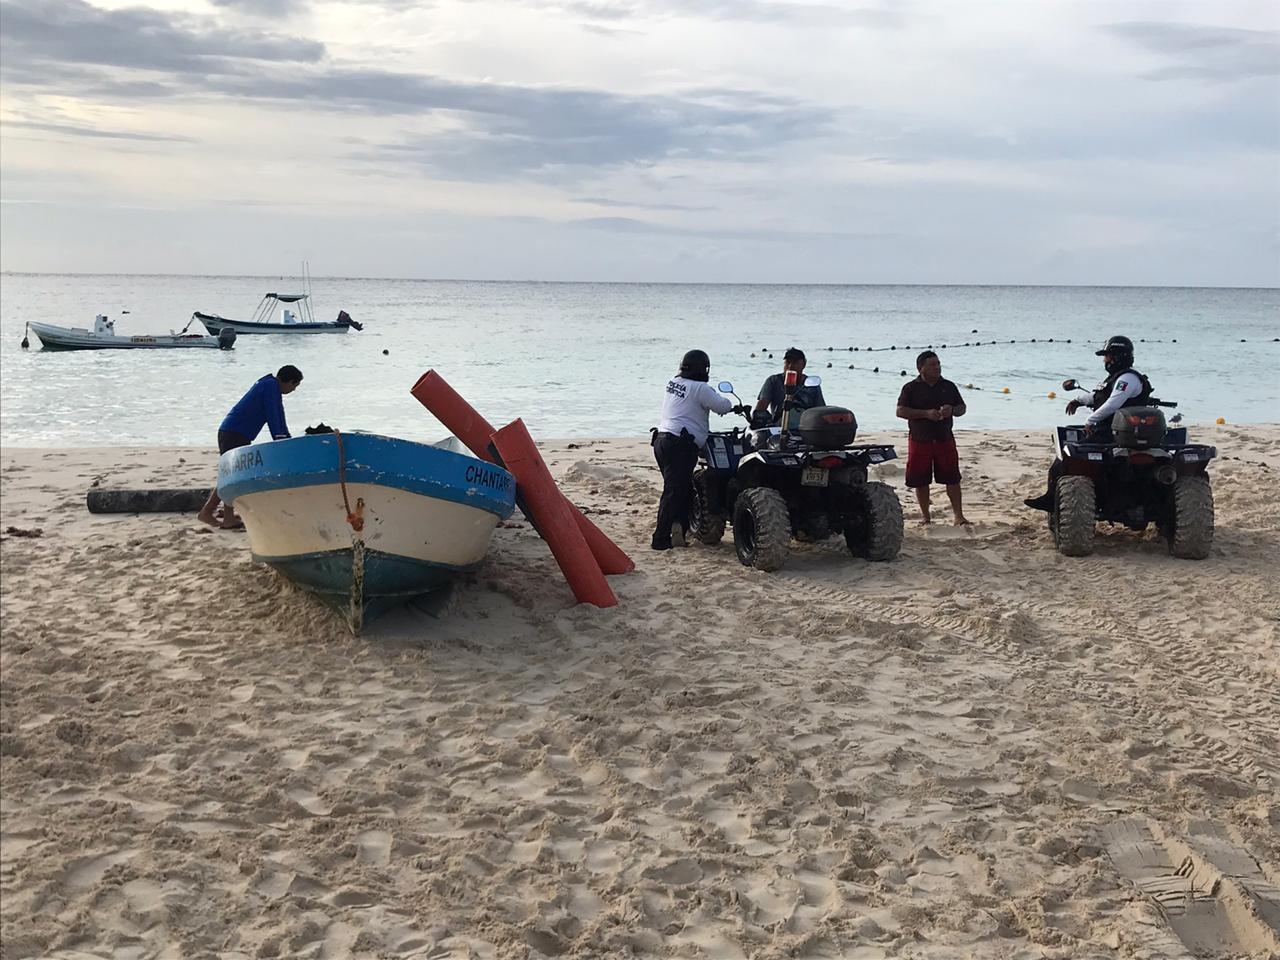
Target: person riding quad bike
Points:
(1126, 466)
(773, 484)
(1122, 387)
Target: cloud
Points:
(629, 225)
(94, 132)
(74, 34)
(640, 204)
(554, 134)
(1204, 52)
(508, 131)
(881, 16)
(262, 8)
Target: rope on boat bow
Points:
(354, 517)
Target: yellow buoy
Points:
(1005, 390)
(1053, 395)
(1220, 421)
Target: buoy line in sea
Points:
(768, 352)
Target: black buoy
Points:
(902, 373)
(829, 349)
(828, 366)
(875, 369)
(386, 353)
(974, 330)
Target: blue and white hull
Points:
(424, 514)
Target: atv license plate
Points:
(814, 476)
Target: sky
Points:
(726, 141)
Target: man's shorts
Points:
(229, 440)
(932, 461)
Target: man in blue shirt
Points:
(262, 406)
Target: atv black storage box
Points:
(828, 426)
(1138, 427)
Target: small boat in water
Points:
(103, 336)
(289, 322)
(365, 521)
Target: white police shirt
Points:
(1127, 385)
(685, 406)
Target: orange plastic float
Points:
(462, 420)
(519, 455)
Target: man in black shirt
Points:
(928, 403)
(773, 393)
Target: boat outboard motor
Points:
(226, 338)
(345, 318)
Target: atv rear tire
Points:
(761, 529)
(1192, 533)
(879, 536)
(1075, 521)
(705, 526)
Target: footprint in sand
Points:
(374, 847)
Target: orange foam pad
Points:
(462, 420)
(551, 510)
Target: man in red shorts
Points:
(928, 403)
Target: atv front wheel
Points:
(1074, 519)
(1192, 533)
(878, 535)
(703, 524)
(761, 529)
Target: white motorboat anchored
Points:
(103, 336)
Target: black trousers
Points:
(677, 456)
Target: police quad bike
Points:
(804, 479)
(1143, 472)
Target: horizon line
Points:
(672, 283)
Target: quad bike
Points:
(1140, 471)
(803, 479)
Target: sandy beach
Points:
(982, 749)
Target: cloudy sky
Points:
(874, 141)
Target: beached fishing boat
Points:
(289, 322)
(367, 522)
(103, 336)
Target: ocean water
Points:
(583, 359)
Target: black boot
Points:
(1043, 502)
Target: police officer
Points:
(1122, 387)
(682, 431)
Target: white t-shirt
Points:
(685, 406)
(1127, 385)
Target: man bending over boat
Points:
(262, 406)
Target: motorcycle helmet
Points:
(696, 365)
(1119, 354)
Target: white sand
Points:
(983, 749)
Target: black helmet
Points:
(1119, 353)
(695, 365)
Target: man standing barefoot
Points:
(928, 404)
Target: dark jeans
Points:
(677, 456)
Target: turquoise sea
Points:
(584, 359)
